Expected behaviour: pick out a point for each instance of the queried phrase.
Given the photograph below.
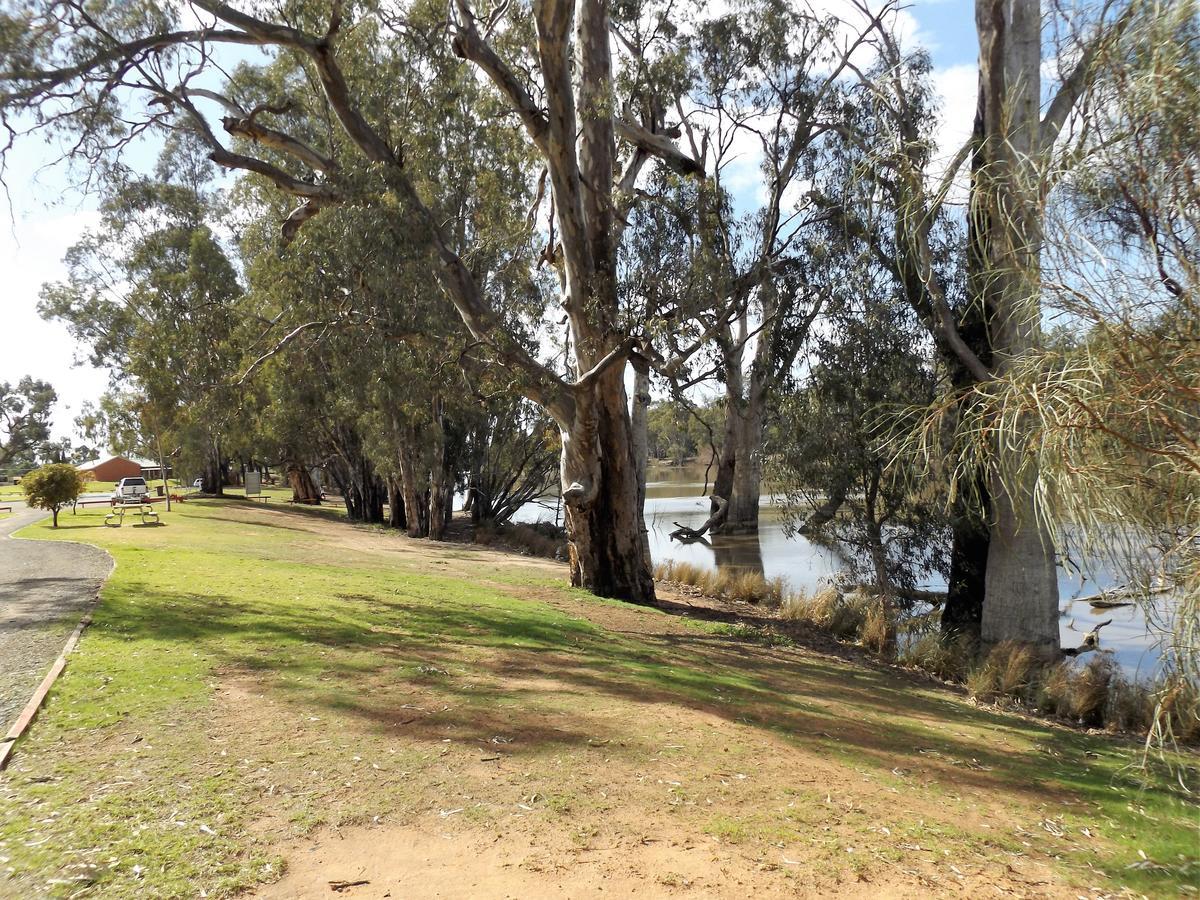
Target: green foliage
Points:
(153, 294)
(53, 486)
(679, 431)
(25, 410)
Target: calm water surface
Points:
(677, 495)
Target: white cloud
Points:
(958, 88)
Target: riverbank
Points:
(275, 701)
(1134, 639)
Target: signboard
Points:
(253, 483)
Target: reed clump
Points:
(1006, 673)
(541, 539)
(724, 584)
(943, 656)
(842, 615)
(1093, 694)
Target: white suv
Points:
(130, 489)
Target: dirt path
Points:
(44, 588)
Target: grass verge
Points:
(253, 674)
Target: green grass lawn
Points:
(245, 666)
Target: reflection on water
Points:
(676, 495)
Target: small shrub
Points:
(52, 487)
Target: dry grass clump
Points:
(1081, 695)
(542, 539)
(945, 657)
(878, 630)
(746, 586)
(843, 615)
(1007, 672)
(1095, 695)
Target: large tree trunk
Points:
(1021, 596)
(304, 489)
(599, 477)
(396, 518)
(212, 479)
(437, 476)
(963, 612)
(742, 516)
(640, 424)
(731, 347)
(416, 510)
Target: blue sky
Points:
(48, 215)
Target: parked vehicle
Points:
(132, 488)
(198, 484)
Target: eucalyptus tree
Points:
(25, 419)
(1116, 407)
(867, 381)
(767, 82)
(152, 293)
(886, 210)
(1017, 154)
(567, 73)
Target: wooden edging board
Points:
(25, 719)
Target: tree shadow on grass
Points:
(384, 646)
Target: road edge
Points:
(25, 718)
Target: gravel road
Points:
(44, 588)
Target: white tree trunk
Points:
(1021, 585)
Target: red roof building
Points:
(114, 468)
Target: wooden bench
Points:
(6, 509)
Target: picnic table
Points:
(116, 518)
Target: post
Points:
(162, 469)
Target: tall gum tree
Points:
(1012, 170)
(766, 85)
(79, 67)
(1003, 581)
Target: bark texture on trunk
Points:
(1021, 585)
(304, 489)
(416, 510)
(600, 490)
(640, 425)
(437, 475)
(395, 501)
(212, 480)
(742, 515)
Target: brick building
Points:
(114, 468)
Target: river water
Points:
(677, 495)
